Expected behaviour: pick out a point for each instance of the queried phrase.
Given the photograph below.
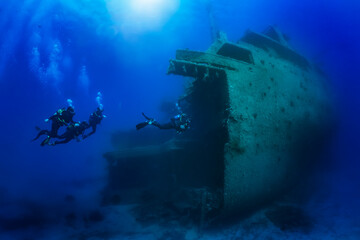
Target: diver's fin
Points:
(147, 118)
(141, 125)
(46, 141)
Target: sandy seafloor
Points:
(327, 220)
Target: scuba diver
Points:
(95, 119)
(62, 117)
(73, 131)
(180, 123)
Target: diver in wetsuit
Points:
(62, 117)
(95, 119)
(180, 123)
(73, 131)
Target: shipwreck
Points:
(260, 112)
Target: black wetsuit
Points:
(94, 119)
(62, 117)
(180, 123)
(72, 132)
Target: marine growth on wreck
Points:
(259, 111)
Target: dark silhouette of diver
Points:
(180, 123)
(95, 119)
(73, 131)
(61, 117)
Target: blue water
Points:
(51, 51)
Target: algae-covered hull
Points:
(260, 112)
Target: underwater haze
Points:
(52, 51)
